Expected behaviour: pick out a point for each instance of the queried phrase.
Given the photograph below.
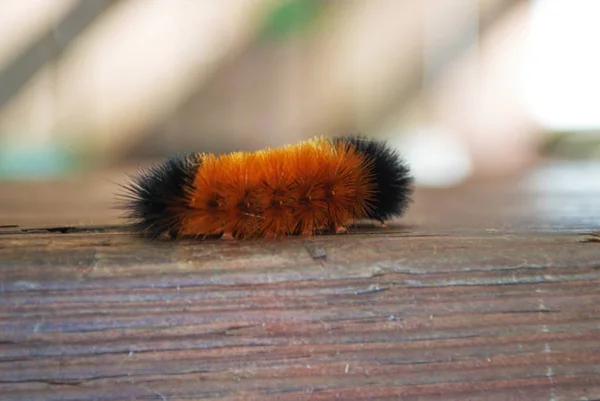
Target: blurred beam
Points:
(280, 92)
(132, 70)
(246, 102)
(14, 75)
(456, 45)
(23, 22)
(366, 49)
(452, 27)
(477, 99)
(364, 74)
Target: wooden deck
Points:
(488, 292)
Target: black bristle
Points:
(153, 197)
(390, 173)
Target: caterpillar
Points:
(319, 185)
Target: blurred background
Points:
(466, 89)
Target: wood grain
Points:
(478, 306)
(384, 315)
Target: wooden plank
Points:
(386, 314)
(485, 292)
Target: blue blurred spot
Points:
(35, 162)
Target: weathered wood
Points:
(462, 308)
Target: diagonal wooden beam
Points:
(15, 74)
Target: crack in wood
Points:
(63, 229)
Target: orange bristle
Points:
(305, 188)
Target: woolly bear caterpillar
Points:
(318, 185)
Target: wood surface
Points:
(486, 292)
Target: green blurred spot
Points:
(291, 17)
(35, 162)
